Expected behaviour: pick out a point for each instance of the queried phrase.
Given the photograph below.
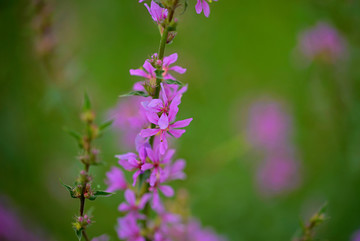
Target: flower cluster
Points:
(322, 42)
(150, 115)
(269, 132)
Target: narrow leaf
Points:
(105, 125)
(87, 104)
(78, 233)
(169, 81)
(69, 188)
(74, 134)
(135, 93)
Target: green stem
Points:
(161, 53)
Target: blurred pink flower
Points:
(278, 174)
(268, 125)
(129, 118)
(356, 236)
(322, 42)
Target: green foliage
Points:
(179, 83)
(100, 194)
(136, 93)
(70, 189)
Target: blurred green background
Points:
(243, 51)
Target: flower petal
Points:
(163, 121)
(170, 59)
(198, 7)
(177, 133)
(130, 197)
(178, 69)
(182, 123)
(206, 8)
(148, 132)
(167, 190)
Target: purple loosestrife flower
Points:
(165, 189)
(175, 171)
(322, 42)
(132, 204)
(128, 229)
(278, 174)
(163, 128)
(129, 118)
(163, 105)
(356, 236)
(115, 180)
(157, 13)
(156, 162)
(132, 162)
(203, 5)
(268, 125)
(148, 72)
(169, 60)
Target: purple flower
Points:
(129, 118)
(103, 237)
(115, 180)
(165, 189)
(156, 161)
(132, 205)
(356, 236)
(163, 105)
(322, 42)
(132, 162)
(203, 5)
(148, 72)
(128, 229)
(164, 127)
(169, 60)
(157, 13)
(175, 171)
(278, 174)
(268, 125)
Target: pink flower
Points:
(175, 170)
(115, 180)
(128, 229)
(132, 162)
(166, 66)
(203, 5)
(157, 13)
(268, 125)
(164, 105)
(156, 161)
(165, 189)
(164, 127)
(132, 204)
(356, 236)
(129, 118)
(322, 42)
(278, 174)
(148, 71)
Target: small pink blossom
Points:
(115, 180)
(157, 13)
(203, 5)
(132, 204)
(164, 128)
(128, 229)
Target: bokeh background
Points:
(247, 52)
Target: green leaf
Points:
(69, 188)
(74, 134)
(169, 81)
(87, 104)
(159, 73)
(100, 194)
(78, 233)
(136, 93)
(105, 125)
